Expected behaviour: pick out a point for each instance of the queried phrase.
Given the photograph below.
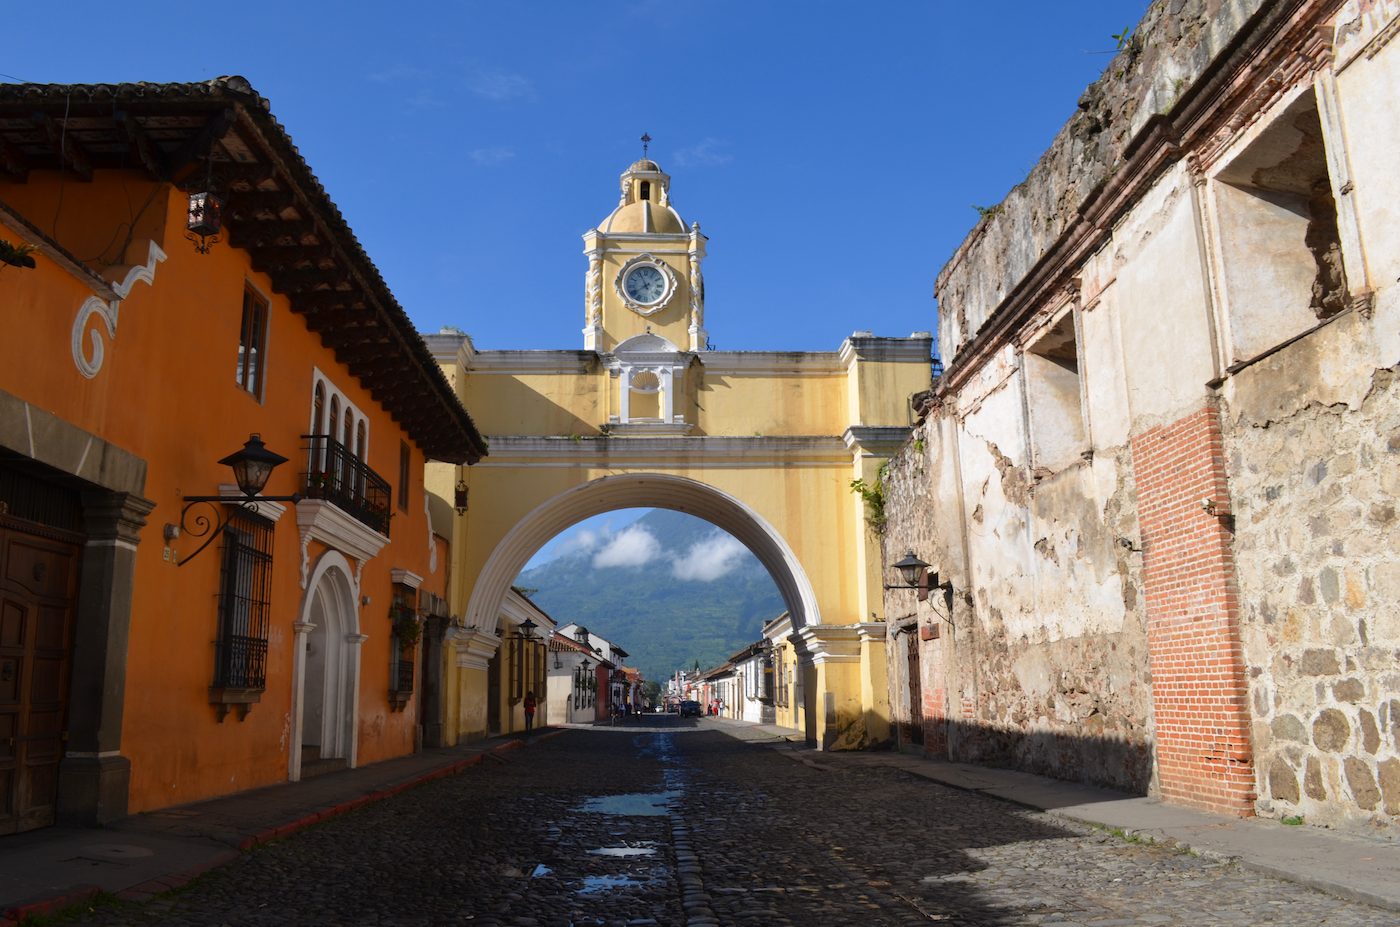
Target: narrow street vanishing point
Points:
(676, 822)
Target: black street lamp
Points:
(252, 466)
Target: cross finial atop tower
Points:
(646, 140)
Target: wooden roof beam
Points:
(13, 161)
(144, 151)
(244, 205)
(262, 233)
(66, 150)
(304, 281)
(272, 259)
(196, 147)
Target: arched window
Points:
(318, 421)
(349, 430)
(646, 190)
(360, 441)
(335, 417)
(318, 409)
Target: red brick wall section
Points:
(1204, 756)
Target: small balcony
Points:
(335, 474)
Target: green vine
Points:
(874, 496)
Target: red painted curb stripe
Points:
(75, 895)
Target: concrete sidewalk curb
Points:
(45, 905)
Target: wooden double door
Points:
(38, 585)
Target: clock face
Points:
(645, 285)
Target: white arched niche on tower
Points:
(639, 490)
(651, 372)
(326, 665)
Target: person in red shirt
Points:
(529, 711)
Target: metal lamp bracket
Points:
(221, 521)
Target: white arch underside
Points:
(637, 490)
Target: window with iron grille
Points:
(245, 594)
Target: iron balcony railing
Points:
(335, 474)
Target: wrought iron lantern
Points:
(527, 630)
(252, 466)
(461, 497)
(205, 220)
(912, 569)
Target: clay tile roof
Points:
(277, 210)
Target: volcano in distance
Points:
(669, 589)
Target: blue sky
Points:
(830, 151)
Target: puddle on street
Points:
(636, 804)
(640, 850)
(598, 884)
(540, 870)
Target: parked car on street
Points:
(690, 709)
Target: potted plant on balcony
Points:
(317, 481)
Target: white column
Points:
(354, 640)
(624, 387)
(299, 631)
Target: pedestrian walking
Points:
(529, 711)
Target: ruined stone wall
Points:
(1170, 47)
(1314, 478)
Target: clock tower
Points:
(644, 269)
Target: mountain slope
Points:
(669, 589)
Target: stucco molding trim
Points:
(405, 577)
(917, 348)
(832, 643)
(319, 520)
(475, 647)
(876, 440)
(768, 449)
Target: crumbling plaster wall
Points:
(1045, 646)
(1314, 453)
(1171, 46)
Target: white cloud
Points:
(631, 547)
(489, 156)
(498, 86)
(708, 153)
(716, 556)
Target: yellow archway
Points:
(763, 444)
(641, 490)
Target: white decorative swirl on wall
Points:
(123, 277)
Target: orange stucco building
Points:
(136, 670)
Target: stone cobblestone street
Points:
(642, 825)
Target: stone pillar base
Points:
(93, 790)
